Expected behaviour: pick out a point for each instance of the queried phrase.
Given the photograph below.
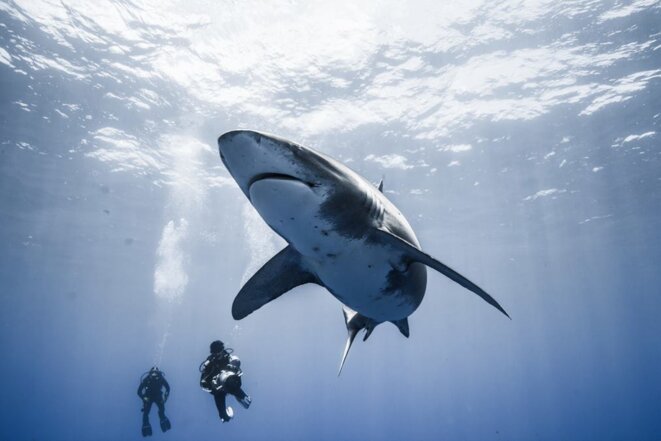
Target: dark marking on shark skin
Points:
(348, 211)
(397, 281)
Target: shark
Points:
(342, 233)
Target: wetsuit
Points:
(150, 391)
(212, 366)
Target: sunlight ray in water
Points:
(519, 138)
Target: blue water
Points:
(521, 140)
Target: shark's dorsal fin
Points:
(283, 272)
(413, 254)
(402, 325)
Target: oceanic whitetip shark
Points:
(342, 234)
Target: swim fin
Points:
(146, 430)
(245, 401)
(165, 424)
(230, 414)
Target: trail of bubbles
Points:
(160, 349)
(260, 239)
(262, 244)
(170, 277)
(187, 180)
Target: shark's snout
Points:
(244, 142)
(250, 156)
(235, 140)
(237, 147)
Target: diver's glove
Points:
(165, 396)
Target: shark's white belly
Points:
(354, 271)
(358, 277)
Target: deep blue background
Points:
(577, 267)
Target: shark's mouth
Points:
(280, 176)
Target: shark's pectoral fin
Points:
(283, 272)
(402, 325)
(413, 254)
(354, 322)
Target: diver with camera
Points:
(221, 375)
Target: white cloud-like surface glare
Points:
(313, 68)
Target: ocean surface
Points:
(521, 139)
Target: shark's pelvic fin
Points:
(413, 254)
(354, 322)
(347, 346)
(283, 272)
(402, 325)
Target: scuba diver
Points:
(151, 390)
(221, 375)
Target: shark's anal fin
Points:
(280, 274)
(412, 253)
(403, 326)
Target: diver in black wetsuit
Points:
(153, 388)
(221, 375)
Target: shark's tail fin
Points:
(354, 322)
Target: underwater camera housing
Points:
(227, 376)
